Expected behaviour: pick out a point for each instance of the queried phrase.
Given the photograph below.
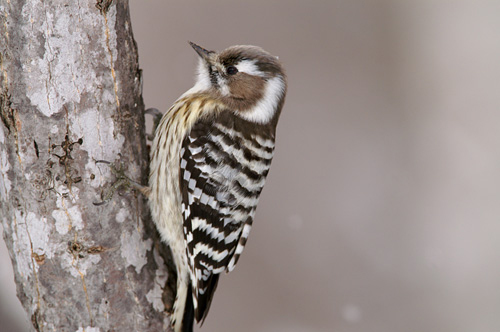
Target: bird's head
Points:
(247, 79)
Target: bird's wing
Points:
(221, 176)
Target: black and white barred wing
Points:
(221, 175)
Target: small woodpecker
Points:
(211, 154)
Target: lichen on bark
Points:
(70, 94)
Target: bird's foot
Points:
(157, 115)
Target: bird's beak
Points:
(203, 53)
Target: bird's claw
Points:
(157, 115)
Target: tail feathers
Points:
(188, 319)
(206, 290)
(187, 308)
(183, 316)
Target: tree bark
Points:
(70, 94)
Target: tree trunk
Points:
(70, 94)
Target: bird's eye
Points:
(231, 70)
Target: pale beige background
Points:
(382, 208)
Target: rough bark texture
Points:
(70, 94)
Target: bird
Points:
(210, 156)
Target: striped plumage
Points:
(210, 157)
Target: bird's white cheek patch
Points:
(265, 109)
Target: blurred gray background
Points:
(382, 208)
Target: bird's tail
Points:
(183, 315)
